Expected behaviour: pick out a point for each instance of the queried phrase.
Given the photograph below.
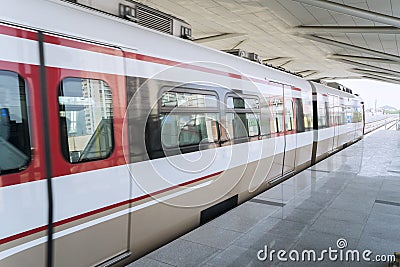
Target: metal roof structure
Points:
(316, 38)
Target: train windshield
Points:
(15, 148)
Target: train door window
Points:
(265, 119)
(301, 119)
(322, 103)
(86, 116)
(188, 119)
(15, 148)
(242, 117)
(277, 110)
(289, 115)
(332, 111)
(308, 114)
(343, 119)
(349, 114)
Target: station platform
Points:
(353, 195)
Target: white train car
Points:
(340, 119)
(116, 139)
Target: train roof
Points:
(322, 88)
(76, 21)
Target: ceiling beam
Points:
(381, 79)
(310, 74)
(352, 47)
(345, 29)
(359, 58)
(239, 43)
(305, 71)
(361, 65)
(353, 11)
(287, 62)
(218, 37)
(373, 72)
(343, 78)
(276, 59)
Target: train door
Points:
(289, 130)
(23, 173)
(336, 123)
(332, 119)
(91, 185)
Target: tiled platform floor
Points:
(355, 194)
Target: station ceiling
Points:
(316, 38)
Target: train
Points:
(116, 139)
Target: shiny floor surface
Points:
(353, 195)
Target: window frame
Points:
(166, 110)
(243, 111)
(65, 144)
(27, 108)
(181, 89)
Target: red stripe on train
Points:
(18, 32)
(117, 52)
(82, 45)
(110, 207)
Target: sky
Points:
(370, 90)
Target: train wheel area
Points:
(343, 210)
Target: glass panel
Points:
(252, 124)
(252, 103)
(308, 115)
(15, 148)
(322, 112)
(277, 109)
(86, 119)
(242, 125)
(265, 121)
(342, 115)
(242, 103)
(169, 99)
(349, 114)
(188, 100)
(289, 117)
(188, 129)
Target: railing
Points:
(374, 123)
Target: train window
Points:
(289, 117)
(15, 148)
(242, 117)
(357, 117)
(265, 120)
(242, 103)
(349, 114)
(188, 119)
(178, 130)
(323, 121)
(301, 118)
(242, 125)
(188, 100)
(86, 116)
(277, 111)
(342, 118)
